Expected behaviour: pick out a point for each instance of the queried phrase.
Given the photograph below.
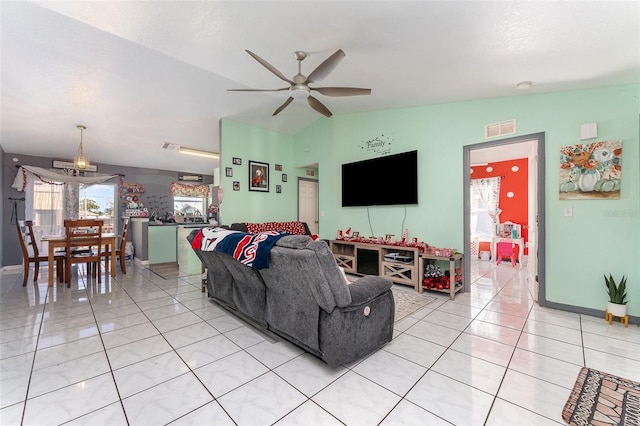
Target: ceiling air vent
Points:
(502, 128)
(170, 146)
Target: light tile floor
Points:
(140, 349)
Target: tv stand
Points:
(369, 259)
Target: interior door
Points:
(308, 203)
(497, 151)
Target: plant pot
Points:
(616, 310)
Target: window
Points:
(189, 207)
(98, 202)
(485, 213)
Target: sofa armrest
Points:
(368, 288)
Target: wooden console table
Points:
(369, 259)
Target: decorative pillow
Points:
(293, 227)
(254, 228)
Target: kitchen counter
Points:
(156, 243)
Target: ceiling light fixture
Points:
(198, 152)
(80, 161)
(524, 85)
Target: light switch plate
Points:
(568, 211)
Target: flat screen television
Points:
(382, 181)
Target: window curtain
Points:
(189, 190)
(485, 197)
(50, 198)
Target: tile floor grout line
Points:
(35, 352)
(106, 354)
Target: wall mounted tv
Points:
(382, 181)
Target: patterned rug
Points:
(602, 399)
(408, 301)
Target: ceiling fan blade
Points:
(318, 106)
(283, 106)
(257, 90)
(342, 91)
(325, 68)
(268, 66)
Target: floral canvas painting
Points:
(591, 171)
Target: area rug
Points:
(599, 398)
(408, 301)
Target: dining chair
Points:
(28, 240)
(83, 233)
(120, 251)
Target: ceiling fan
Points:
(299, 86)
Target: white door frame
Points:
(540, 205)
(317, 199)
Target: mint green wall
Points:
(601, 237)
(251, 143)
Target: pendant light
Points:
(80, 161)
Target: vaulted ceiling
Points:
(138, 74)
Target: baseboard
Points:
(11, 268)
(586, 311)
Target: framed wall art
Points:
(278, 189)
(591, 171)
(258, 176)
(236, 185)
(284, 177)
(228, 171)
(237, 161)
(279, 167)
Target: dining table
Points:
(109, 239)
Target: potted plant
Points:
(617, 305)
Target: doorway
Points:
(308, 203)
(530, 147)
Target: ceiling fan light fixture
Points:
(299, 91)
(198, 152)
(524, 85)
(80, 161)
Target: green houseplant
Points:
(617, 296)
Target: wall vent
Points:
(502, 128)
(170, 146)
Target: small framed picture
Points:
(229, 171)
(258, 176)
(279, 167)
(278, 189)
(355, 234)
(236, 185)
(284, 177)
(237, 161)
(390, 238)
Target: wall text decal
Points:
(380, 145)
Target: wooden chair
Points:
(119, 251)
(83, 233)
(27, 239)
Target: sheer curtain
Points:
(485, 211)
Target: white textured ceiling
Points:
(140, 73)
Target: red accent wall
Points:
(516, 208)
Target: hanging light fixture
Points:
(80, 161)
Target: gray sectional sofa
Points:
(304, 297)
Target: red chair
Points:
(506, 249)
